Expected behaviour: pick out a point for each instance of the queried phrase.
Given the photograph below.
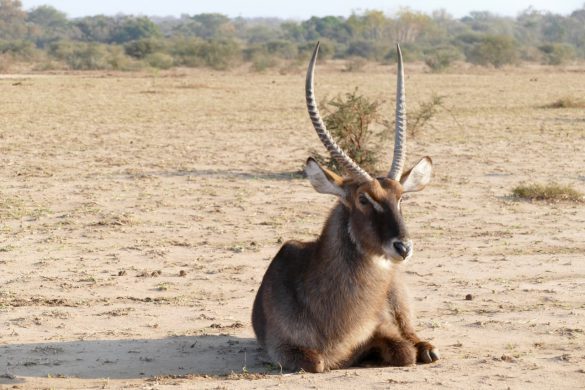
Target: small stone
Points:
(182, 273)
(469, 297)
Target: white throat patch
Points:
(382, 262)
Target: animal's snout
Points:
(404, 248)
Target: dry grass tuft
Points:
(123, 219)
(548, 192)
(566, 102)
(11, 208)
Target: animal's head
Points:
(375, 224)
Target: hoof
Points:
(426, 353)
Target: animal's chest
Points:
(362, 331)
(357, 333)
(359, 329)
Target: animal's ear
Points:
(418, 177)
(323, 180)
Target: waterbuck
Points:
(339, 301)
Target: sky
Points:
(298, 9)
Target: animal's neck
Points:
(348, 281)
(340, 250)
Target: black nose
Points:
(401, 248)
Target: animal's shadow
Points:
(130, 359)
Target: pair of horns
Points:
(336, 152)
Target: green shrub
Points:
(348, 119)
(263, 61)
(216, 54)
(368, 49)
(282, 49)
(326, 50)
(264, 56)
(530, 54)
(22, 50)
(118, 60)
(441, 58)
(89, 56)
(496, 50)
(410, 52)
(251, 51)
(82, 56)
(132, 28)
(185, 51)
(219, 54)
(141, 48)
(557, 53)
(160, 60)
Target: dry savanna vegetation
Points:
(552, 192)
(139, 211)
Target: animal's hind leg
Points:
(388, 349)
(298, 358)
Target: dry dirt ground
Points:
(138, 213)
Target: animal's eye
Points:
(363, 200)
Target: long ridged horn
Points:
(400, 132)
(336, 152)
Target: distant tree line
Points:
(47, 38)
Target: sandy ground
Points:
(138, 213)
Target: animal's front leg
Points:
(425, 351)
(399, 309)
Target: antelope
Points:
(339, 301)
